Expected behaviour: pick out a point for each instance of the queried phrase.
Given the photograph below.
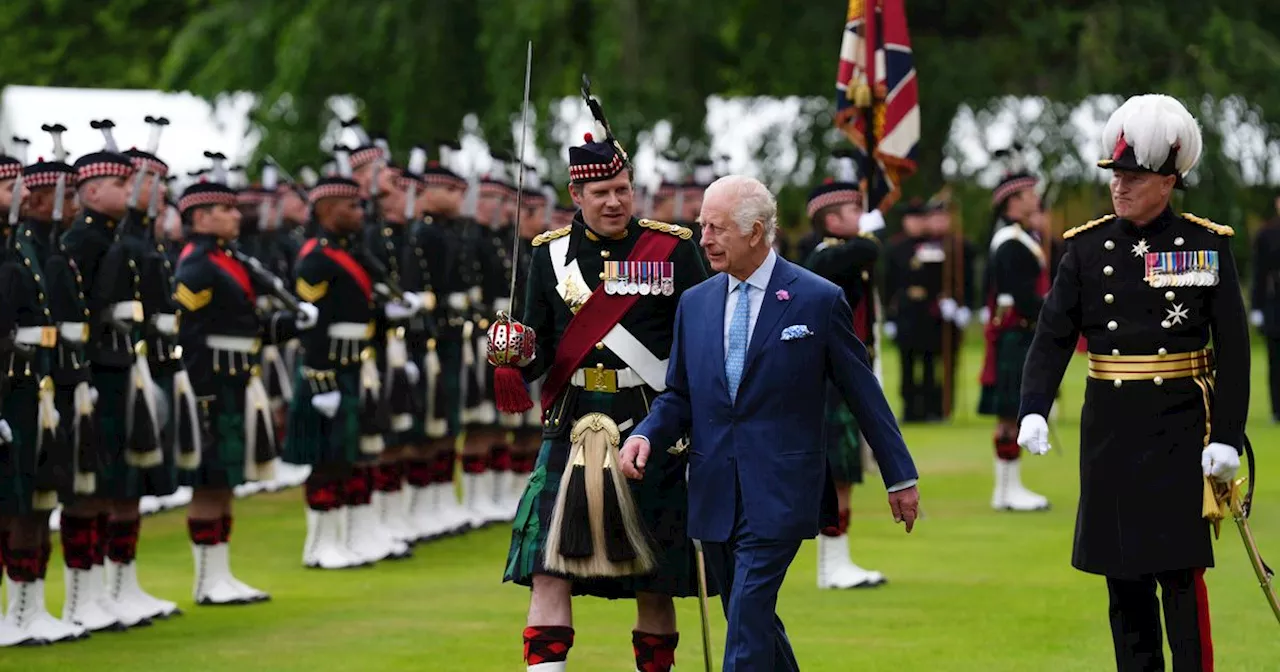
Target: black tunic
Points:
(1140, 476)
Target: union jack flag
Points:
(877, 70)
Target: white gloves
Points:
(405, 308)
(1220, 461)
(1255, 318)
(6, 434)
(93, 396)
(890, 330)
(870, 222)
(307, 316)
(1033, 435)
(327, 403)
(412, 372)
(984, 315)
(947, 307)
(962, 317)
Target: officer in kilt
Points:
(34, 460)
(108, 243)
(604, 362)
(1164, 414)
(230, 430)
(1017, 279)
(847, 257)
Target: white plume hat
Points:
(1152, 133)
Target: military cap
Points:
(843, 189)
(147, 160)
(333, 186)
(439, 172)
(10, 167)
(205, 193)
(1015, 176)
(594, 161)
(45, 174)
(1152, 133)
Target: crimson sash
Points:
(229, 266)
(346, 261)
(597, 316)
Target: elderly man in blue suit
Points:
(754, 349)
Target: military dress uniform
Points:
(1265, 303)
(1149, 299)
(914, 279)
(232, 435)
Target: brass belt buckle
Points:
(48, 337)
(600, 379)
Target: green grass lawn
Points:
(971, 589)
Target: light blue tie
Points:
(736, 356)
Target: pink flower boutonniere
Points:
(783, 295)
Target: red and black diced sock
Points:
(122, 540)
(474, 464)
(358, 488)
(547, 644)
(840, 528)
(101, 538)
(46, 552)
(1007, 447)
(226, 529)
(23, 564)
(420, 473)
(523, 464)
(444, 467)
(388, 477)
(500, 457)
(79, 538)
(654, 653)
(205, 532)
(324, 495)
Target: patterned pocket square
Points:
(795, 332)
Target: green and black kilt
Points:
(223, 444)
(118, 479)
(844, 442)
(661, 498)
(1003, 399)
(313, 439)
(449, 386)
(18, 458)
(416, 435)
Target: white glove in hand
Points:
(93, 396)
(411, 301)
(307, 316)
(1220, 461)
(412, 372)
(6, 434)
(962, 317)
(947, 307)
(984, 315)
(397, 311)
(890, 330)
(1255, 318)
(1033, 435)
(327, 403)
(870, 222)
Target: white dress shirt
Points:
(759, 282)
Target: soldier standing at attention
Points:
(914, 285)
(602, 298)
(1265, 300)
(1164, 413)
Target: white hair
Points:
(752, 202)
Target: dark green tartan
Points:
(450, 353)
(117, 479)
(18, 459)
(313, 439)
(222, 452)
(662, 499)
(416, 435)
(1003, 399)
(844, 446)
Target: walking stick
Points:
(703, 609)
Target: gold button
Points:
(600, 367)
(88, 220)
(1118, 383)
(1166, 324)
(1115, 353)
(602, 275)
(1162, 352)
(604, 253)
(1109, 298)
(1158, 380)
(599, 346)
(1109, 245)
(1178, 240)
(1168, 296)
(1112, 325)
(1107, 270)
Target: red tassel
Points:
(509, 392)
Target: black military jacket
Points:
(1101, 292)
(1014, 270)
(63, 286)
(218, 297)
(650, 320)
(1265, 287)
(851, 265)
(111, 272)
(332, 273)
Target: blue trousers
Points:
(749, 571)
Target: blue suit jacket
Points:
(771, 441)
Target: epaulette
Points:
(869, 236)
(544, 238)
(674, 229)
(1220, 229)
(1086, 226)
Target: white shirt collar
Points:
(760, 278)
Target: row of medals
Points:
(639, 277)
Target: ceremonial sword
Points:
(1241, 507)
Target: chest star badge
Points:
(1140, 248)
(1176, 314)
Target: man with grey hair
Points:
(754, 349)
